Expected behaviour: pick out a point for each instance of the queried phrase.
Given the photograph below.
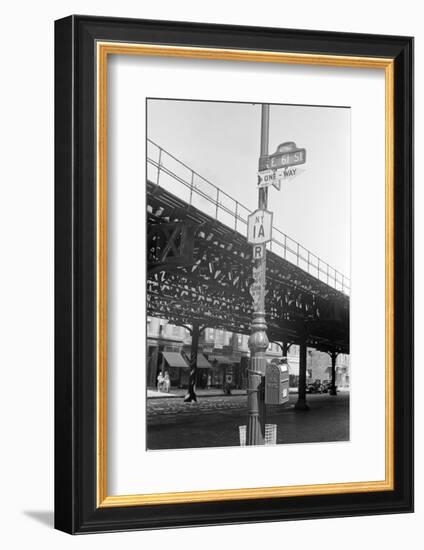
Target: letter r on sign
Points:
(258, 251)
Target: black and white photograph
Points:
(248, 274)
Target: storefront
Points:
(178, 367)
(228, 370)
(175, 364)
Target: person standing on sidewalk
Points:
(161, 380)
(166, 382)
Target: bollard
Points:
(242, 432)
(270, 435)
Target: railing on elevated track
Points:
(166, 170)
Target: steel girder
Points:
(212, 286)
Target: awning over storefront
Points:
(174, 359)
(221, 359)
(202, 362)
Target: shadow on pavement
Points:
(46, 517)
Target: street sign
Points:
(259, 272)
(258, 252)
(258, 293)
(266, 178)
(287, 154)
(277, 177)
(259, 227)
(255, 291)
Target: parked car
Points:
(326, 385)
(314, 387)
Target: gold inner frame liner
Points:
(104, 49)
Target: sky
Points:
(221, 141)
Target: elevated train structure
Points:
(199, 266)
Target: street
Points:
(214, 421)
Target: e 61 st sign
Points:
(287, 154)
(259, 227)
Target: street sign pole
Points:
(258, 340)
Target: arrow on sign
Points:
(277, 177)
(265, 179)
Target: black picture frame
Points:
(76, 504)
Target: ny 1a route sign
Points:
(259, 227)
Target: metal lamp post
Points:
(258, 340)
(273, 170)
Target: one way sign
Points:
(277, 177)
(265, 179)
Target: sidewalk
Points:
(152, 393)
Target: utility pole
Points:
(333, 387)
(301, 404)
(258, 340)
(195, 331)
(272, 170)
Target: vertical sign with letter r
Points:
(258, 251)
